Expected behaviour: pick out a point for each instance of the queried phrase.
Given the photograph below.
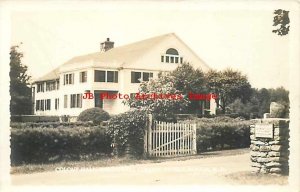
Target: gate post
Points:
(194, 140)
(149, 135)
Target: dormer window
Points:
(171, 56)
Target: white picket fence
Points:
(171, 139)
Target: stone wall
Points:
(270, 154)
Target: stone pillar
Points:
(270, 145)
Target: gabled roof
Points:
(116, 57)
(120, 56)
(54, 74)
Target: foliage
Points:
(34, 118)
(96, 115)
(19, 80)
(161, 108)
(128, 128)
(45, 145)
(189, 80)
(277, 110)
(59, 125)
(222, 133)
(281, 18)
(260, 101)
(228, 85)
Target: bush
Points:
(34, 118)
(222, 133)
(18, 125)
(128, 128)
(44, 145)
(96, 115)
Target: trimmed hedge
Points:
(96, 115)
(19, 125)
(222, 133)
(45, 145)
(34, 118)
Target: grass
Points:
(248, 178)
(109, 161)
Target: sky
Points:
(240, 39)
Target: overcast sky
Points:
(238, 38)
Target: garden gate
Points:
(170, 139)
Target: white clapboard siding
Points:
(171, 139)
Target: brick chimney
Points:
(106, 45)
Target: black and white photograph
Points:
(146, 95)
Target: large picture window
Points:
(106, 76)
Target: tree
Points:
(186, 80)
(281, 96)
(159, 97)
(19, 80)
(228, 85)
(281, 18)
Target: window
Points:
(136, 77)
(65, 101)
(99, 76)
(112, 76)
(172, 59)
(172, 51)
(40, 87)
(56, 103)
(106, 76)
(76, 101)
(207, 104)
(69, 79)
(50, 86)
(48, 104)
(57, 84)
(83, 76)
(42, 105)
(147, 76)
(171, 56)
(37, 105)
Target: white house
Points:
(112, 70)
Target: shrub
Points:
(18, 125)
(44, 145)
(222, 132)
(128, 128)
(96, 115)
(34, 118)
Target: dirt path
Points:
(194, 171)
